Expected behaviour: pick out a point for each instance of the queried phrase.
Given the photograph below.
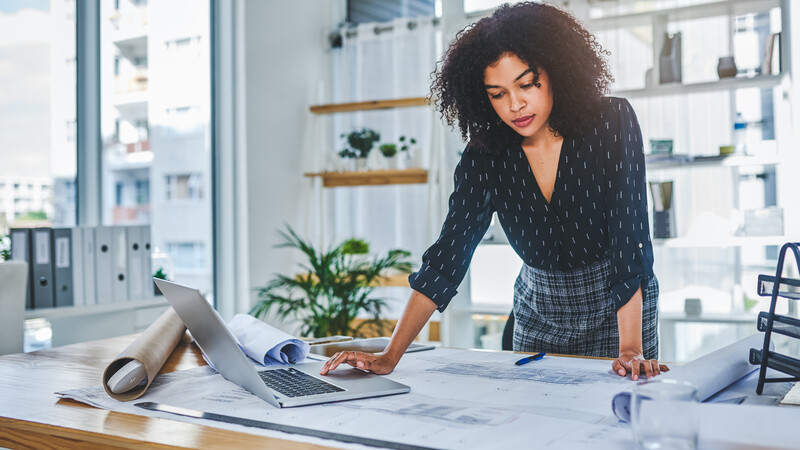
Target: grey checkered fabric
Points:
(573, 312)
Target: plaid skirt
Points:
(573, 313)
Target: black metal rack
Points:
(769, 322)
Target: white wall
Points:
(286, 58)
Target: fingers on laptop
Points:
(348, 357)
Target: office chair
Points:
(508, 333)
(13, 289)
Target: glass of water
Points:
(662, 414)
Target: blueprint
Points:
(458, 399)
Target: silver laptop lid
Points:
(214, 338)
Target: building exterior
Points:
(23, 195)
(155, 77)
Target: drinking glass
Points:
(662, 414)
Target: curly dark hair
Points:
(542, 36)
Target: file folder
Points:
(135, 264)
(62, 267)
(119, 255)
(89, 266)
(147, 262)
(104, 265)
(42, 293)
(78, 293)
(21, 251)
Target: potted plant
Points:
(161, 276)
(346, 160)
(404, 161)
(335, 286)
(5, 248)
(389, 152)
(361, 142)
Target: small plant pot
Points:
(361, 164)
(346, 165)
(403, 161)
(391, 162)
(376, 161)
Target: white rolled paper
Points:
(710, 373)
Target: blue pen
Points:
(528, 359)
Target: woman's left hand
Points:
(633, 362)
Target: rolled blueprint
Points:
(710, 373)
(265, 343)
(151, 350)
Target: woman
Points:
(563, 167)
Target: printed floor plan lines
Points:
(551, 375)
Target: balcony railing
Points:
(135, 83)
(131, 214)
(141, 146)
(133, 17)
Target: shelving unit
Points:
(91, 322)
(720, 161)
(400, 280)
(371, 177)
(370, 105)
(705, 253)
(726, 84)
(720, 241)
(683, 13)
(323, 179)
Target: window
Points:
(187, 256)
(363, 11)
(184, 187)
(155, 115)
(36, 146)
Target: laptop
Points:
(280, 386)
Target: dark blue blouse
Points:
(598, 209)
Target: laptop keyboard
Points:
(294, 383)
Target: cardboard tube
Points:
(151, 349)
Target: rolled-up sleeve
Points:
(445, 263)
(630, 247)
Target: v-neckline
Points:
(558, 174)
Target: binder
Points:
(21, 251)
(135, 264)
(119, 255)
(63, 289)
(104, 265)
(42, 293)
(78, 293)
(147, 262)
(89, 266)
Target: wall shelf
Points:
(70, 311)
(682, 13)
(73, 324)
(720, 241)
(400, 280)
(371, 177)
(761, 82)
(681, 162)
(370, 105)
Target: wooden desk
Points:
(32, 416)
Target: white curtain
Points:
(387, 64)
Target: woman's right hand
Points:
(378, 363)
